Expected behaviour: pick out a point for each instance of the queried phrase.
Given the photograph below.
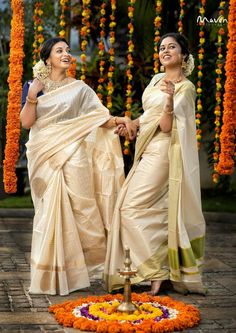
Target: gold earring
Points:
(49, 68)
(184, 64)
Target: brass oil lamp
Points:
(127, 273)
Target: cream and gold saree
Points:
(75, 171)
(158, 211)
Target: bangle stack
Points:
(31, 101)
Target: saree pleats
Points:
(67, 161)
(152, 214)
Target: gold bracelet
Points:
(31, 101)
(115, 121)
(169, 112)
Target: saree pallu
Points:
(158, 211)
(75, 171)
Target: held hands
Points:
(128, 128)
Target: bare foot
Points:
(155, 286)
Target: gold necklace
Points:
(177, 80)
(50, 85)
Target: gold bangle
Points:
(31, 101)
(115, 121)
(169, 112)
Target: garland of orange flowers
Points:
(110, 74)
(38, 28)
(14, 96)
(84, 34)
(227, 136)
(130, 64)
(181, 16)
(188, 316)
(64, 7)
(219, 91)
(199, 82)
(157, 27)
(101, 52)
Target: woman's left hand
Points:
(131, 128)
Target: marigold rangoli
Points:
(98, 314)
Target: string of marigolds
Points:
(101, 48)
(38, 28)
(110, 74)
(227, 137)
(130, 64)
(84, 35)
(181, 16)
(218, 95)
(157, 27)
(199, 82)
(14, 96)
(64, 7)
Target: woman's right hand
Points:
(35, 87)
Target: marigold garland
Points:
(14, 96)
(62, 23)
(97, 313)
(111, 69)
(38, 29)
(71, 72)
(101, 48)
(157, 27)
(181, 16)
(219, 90)
(130, 65)
(200, 63)
(227, 136)
(84, 34)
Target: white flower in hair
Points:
(189, 65)
(41, 71)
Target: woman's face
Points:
(60, 57)
(170, 53)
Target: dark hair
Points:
(46, 47)
(180, 39)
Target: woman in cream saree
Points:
(158, 211)
(75, 170)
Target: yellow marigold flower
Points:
(200, 56)
(112, 24)
(199, 107)
(199, 74)
(197, 121)
(199, 90)
(40, 28)
(40, 12)
(202, 40)
(112, 40)
(62, 23)
(41, 40)
(199, 137)
(62, 33)
(103, 12)
(202, 11)
(110, 74)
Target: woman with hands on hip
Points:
(158, 211)
(75, 169)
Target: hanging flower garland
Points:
(218, 95)
(64, 7)
(71, 72)
(14, 96)
(84, 34)
(130, 64)
(111, 69)
(227, 136)
(98, 314)
(157, 27)
(200, 63)
(101, 48)
(181, 16)
(38, 29)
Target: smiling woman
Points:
(75, 169)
